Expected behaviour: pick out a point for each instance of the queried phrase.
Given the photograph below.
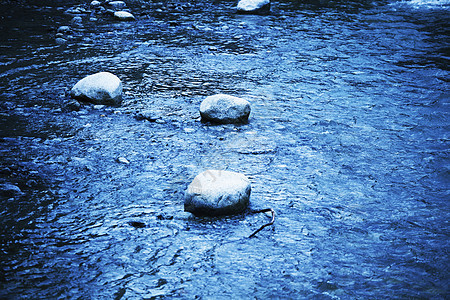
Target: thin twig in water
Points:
(265, 225)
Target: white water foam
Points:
(431, 4)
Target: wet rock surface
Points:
(225, 109)
(348, 143)
(217, 192)
(253, 6)
(99, 88)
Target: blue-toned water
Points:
(348, 141)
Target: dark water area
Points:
(348, 141)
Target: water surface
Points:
(347, 142)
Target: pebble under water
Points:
(348, 141)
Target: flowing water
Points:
(348, 141)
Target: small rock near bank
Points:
(225, 109)
(100, 88)
(124, 16)
(217, 192)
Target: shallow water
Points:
(347, 142)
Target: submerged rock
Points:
(64, 29)
(77, 20)
(216, 192)
(10, 190)
(225, 109)
(137, 224)
(76, 10)
(117, 4)
(100, 88)
(124, 16)
(72, 105)
(147, 115)
(60, 41)
(253, 6)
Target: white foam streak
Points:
(432, 4)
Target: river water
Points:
(348, 141)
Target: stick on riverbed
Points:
(265, 225)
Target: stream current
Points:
(348, 141)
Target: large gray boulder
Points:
(100, 88)
(225, 109)
(216, 192)
(253, 6)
